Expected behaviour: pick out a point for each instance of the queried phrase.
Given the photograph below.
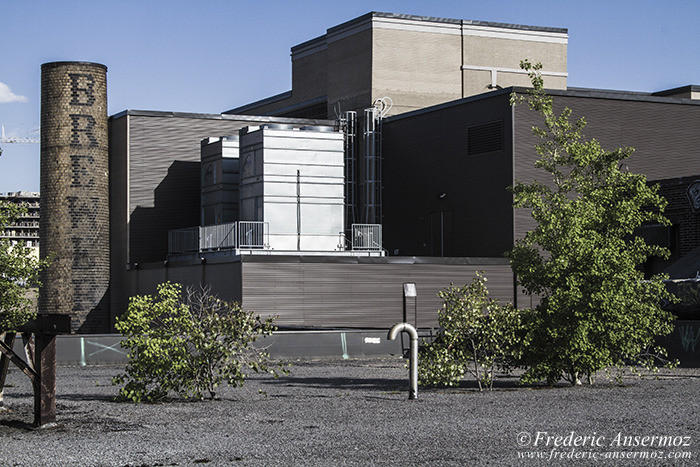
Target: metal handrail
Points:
(255, 235)
(366, 236)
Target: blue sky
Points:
(210, 56)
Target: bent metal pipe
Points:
(413, 360)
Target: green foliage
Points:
(18, 272)
(477, 335)
(188, 346)
(596, 309)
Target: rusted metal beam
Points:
(21, 364)
(45, 383)
(39, 336)
(28, 343)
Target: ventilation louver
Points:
(485, 138)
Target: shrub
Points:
(18, 272)
(477, 335)
(188, 346)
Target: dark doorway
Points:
(441, 233)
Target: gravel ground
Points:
(356, 413)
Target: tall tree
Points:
(596, 309)
(18, 272)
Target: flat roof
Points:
(570, 92)
(688, 88)
(427, 19)
(244, 118)
(330, 259)
(268, 100)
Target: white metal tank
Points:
(293, 179)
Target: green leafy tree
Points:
(188, 346)
(596, 309)
(477, 335)
(19, 269)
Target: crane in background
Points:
(4, 139)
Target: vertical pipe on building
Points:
(298, 210)
(371, 177)
(74, 225)
(512, 183)
(349, 125)
(461, 58)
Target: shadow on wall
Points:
(97, 321)
(176, 206)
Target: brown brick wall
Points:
(74, 225)
(681, 214)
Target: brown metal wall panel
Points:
(163, 185)
(223, 278)
(164, 179)
(145, 281)
(664, 135)
(154, 186)
(425, 155)
(356, 295)
(326, 293)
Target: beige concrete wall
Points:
(503, 54)
(418, 63)
(478, 81)
(507, 53)
(350, 71)
(415, 69)
(309, 78)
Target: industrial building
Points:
(385, 163)
(417, 61)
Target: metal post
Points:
(413, 360)
(298, 210)
(45, 382)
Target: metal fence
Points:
(234, 235)
(248, 235)
(217, 237)
(183, 241)
(253, 234)
(366, 236)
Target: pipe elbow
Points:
(399, 327)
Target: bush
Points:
(188, 346)
(477, 335)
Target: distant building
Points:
(26, 230)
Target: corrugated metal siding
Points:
(425, 155)
(330, 292)
(164, 176)
(223, 278)
(356, 295)
(665, 136)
